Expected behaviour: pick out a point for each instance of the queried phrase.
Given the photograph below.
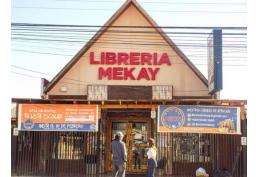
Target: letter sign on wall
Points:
(150, 63)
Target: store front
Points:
(107, 88)
(78, 153)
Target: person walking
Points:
(119, 156)
(151, 154)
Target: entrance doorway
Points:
(136, 133)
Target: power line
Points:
(115, 37)
(84, 57)
(21, 74)
(225, 58)
(168, 2)
(124, 26)
(94, 9)
(132, 32)
(26, 69)
(113, 41)
(193, 53)
(191, 50)
(203, 38)
(108, 39)
(226, 50)
(121, 31)
(196, 3)
(133, 41)
(38, 72)
(73, 49)
(27, 75)
(47, 53)
(30, 76)
(129, 43)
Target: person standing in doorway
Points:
(151, 154)
(119, 156)
(137, 158)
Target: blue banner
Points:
(199, 119)
(61, 127)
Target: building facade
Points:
(129, 69)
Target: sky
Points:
(35, 55)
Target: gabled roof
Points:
(102, 30)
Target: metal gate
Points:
(83, 153)
(180, 154)
(58, 154)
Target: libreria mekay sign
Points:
(199, 119)
(122, 65)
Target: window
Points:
(162, 92)
(97, 92)
(70, 147)
(188, 147)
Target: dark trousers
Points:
(151, 172)
(137, 160)
(152, 164)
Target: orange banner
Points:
(58, 117)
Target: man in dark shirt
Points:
(119, 156)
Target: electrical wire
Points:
(67, 33)
(199, 54)
(131, 43)
(132, 32)
(151, 10)
(124, 26)
(70, 49)
(88, 28)
(116, 37)
(194, 58)
(31, 76)
(27, 75)
(80, 45)
(167, 2)
(225, 56)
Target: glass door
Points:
(135, 138)
(138, 156)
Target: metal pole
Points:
(98, 150)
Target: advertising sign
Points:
(57, 117)
(199, 119)
(215, 61)
(210, 64)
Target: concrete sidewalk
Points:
(108, 175)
